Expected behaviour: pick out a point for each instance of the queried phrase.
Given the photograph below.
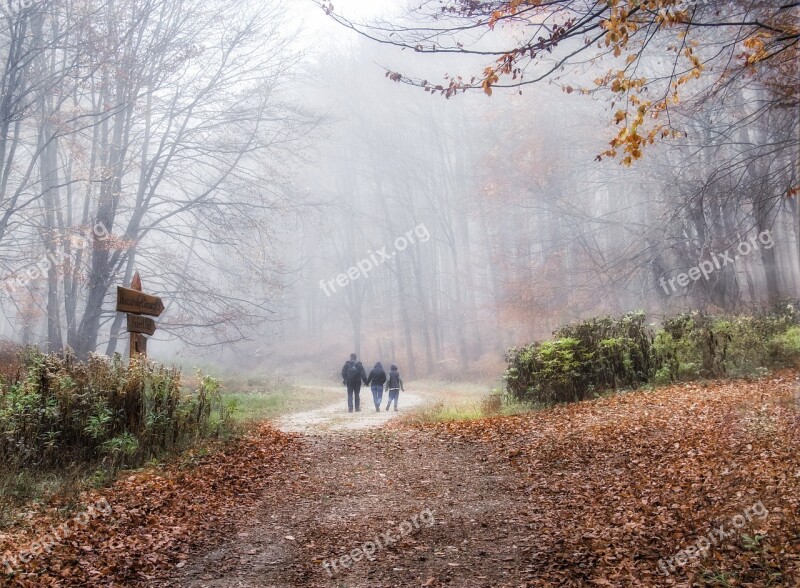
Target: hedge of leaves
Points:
(608, 353)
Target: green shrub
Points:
(585, 358)
(675, 357)
(63, 411)
(696, 344)
(606, 353)
(785, 347)
(617, 352)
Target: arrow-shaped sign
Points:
(136, 302)
(141, 324)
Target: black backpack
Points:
(353, 373)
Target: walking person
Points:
(394, 384)
(352, 376)
(376, 379)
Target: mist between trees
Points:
(236, 168)
(12, 7)
(165, 122)
(72, 245)
(374, 260)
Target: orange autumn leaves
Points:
(158, 515)
(619, 483)
(761, 32)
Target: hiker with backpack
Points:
(376, 379)
(394, 384)
(352, 375)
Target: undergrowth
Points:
(601, 354)
(66, 423)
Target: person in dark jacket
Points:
(376, 379)
(352, 375)
(394, 384)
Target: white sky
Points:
(315, 21)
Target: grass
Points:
(257, 398)
(261, 397)
(466, 411)
(456, 401)
(467, 402)
(23, 488)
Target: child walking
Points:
(376, 380)
(394, 384)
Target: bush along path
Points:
(606, 353)
(688, 485)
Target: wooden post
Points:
(139, 343)
(136, 284)
(135, 303)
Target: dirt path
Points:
(335, 417)
(599, 493)
(446, 508)
(359, 486)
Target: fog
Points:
(291, 204)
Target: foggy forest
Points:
(574, 225)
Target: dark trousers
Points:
(377, 394)
(354, 391)
(394, 395)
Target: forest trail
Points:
(599, 493)
(589, 494)
(359, 481)
(334, 417)
(454, 503)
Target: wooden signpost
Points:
(136, 303)
(138, 344)
(141, 324)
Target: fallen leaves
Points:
(624, 481)
(158, 516)
(586, 494)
